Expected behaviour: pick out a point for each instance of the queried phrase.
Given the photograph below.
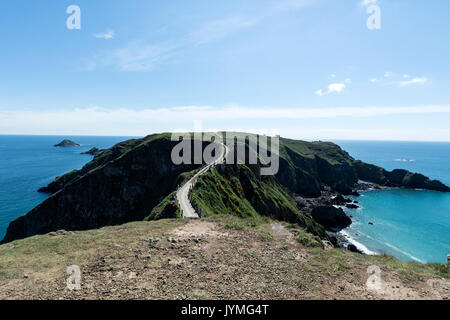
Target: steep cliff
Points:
(121, 184)
(133, 180)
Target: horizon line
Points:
(284, 137)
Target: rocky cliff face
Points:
(307, 168)
(121, 187)
(133, 180)
(397, 178)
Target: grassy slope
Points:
(242, 194)
(326, 150)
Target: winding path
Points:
(183, 193)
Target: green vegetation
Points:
(325, 150)
(214, 194)
(238, 191)
(308, 240)
(166, 209)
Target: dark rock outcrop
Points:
(67, 143)
(397, 178)
(352, 248)
(330, 217)
(340, 200)
(92, 152)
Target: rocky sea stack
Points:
(92, 151)
(136, 180)
(67, 143)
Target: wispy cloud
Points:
(141, 55)
(413, 81)
(405, 80)
(221, 28)
(109, 34)
(136, 56)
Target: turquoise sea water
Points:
(30, 162)
(409, 224)
(412, 225)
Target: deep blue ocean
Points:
(408, 224)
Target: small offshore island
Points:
(67, 143)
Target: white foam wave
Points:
(357, 244)
(404, 160)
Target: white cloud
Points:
(109, 34)
(373, 80)
(336, 87)
(333, 88)
(413, 81)
(388, 74)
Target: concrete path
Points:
(183, 193)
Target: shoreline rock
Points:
(331, 218)
(92, 152)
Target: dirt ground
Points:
(204, 259)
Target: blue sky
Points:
(307, 69)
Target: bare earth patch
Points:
(198, 228)
(262, 262)
(281, 232)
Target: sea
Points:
(28, 163)
(412, 225)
